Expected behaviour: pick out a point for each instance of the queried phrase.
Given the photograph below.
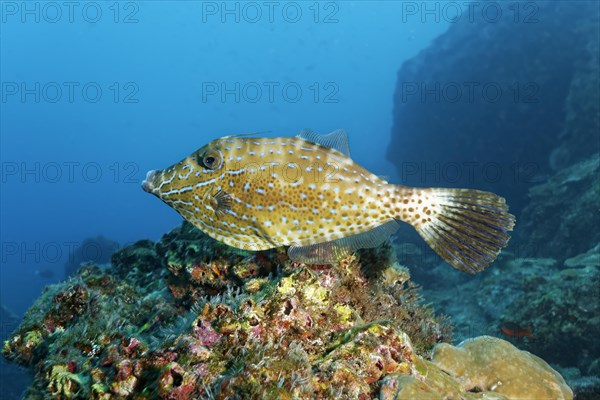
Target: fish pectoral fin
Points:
(337, 140)
(221, 202)
(333, 251)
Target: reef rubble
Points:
(188, 317)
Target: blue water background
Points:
(156, 63)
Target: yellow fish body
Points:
(307, 193)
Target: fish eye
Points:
(211, 160)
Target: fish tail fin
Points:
(467, 228)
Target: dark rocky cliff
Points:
(498, 106)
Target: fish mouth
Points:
(147, 184)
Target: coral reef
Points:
(480, 365)
(190, 317)
(546, 281)
(563, 309)
(478, 369)
(549, 278)
(557, 301)
(13, 379)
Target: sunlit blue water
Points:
(96, 94)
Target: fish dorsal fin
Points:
(337, 140)
(333, 251)
(242, 135)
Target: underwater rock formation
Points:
(546, 281)
(189, 317)
(13, 379)
(554, 303)
(480, 365)
(500, 105)
(562, 219)
(564, 312)
(579, 138)
(97, 250)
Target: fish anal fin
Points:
(319, 253)
(333, 251)
(221, 202)
(337, 140)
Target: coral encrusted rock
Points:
(490, 364)
(190, 318)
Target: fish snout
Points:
(148, 183)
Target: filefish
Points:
(306, 192)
